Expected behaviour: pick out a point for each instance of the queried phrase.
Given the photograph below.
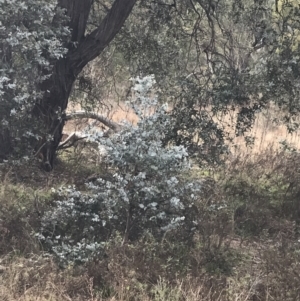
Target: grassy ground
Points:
(248, 249)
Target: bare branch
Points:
(82, 114)
(70, 141)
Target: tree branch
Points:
(78, 12)
(93, 44)
(82, 114)
(70, 141)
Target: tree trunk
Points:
(5, 144)
(50, 111)
(5, 135)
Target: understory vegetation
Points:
(147, 223)
(245, 246)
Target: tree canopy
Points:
(207, 57)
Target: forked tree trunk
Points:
(58, 87)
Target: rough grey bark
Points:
(58, 87)
(5, 138)
(5, 143)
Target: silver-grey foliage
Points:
(145, 190)
(32, 38)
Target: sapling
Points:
(144, 192)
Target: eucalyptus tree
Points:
(226, 56)
(44, 46)
(208, 57)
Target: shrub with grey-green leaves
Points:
(32, 38)
(144, 192)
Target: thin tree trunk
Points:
(50, 111)
(5, 135)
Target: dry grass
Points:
(38, 278)
(265, 274)
(266, 131)
(245, 252)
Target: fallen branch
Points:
(77, 136)
(74, 137)
(82, 114)
(70, 141)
